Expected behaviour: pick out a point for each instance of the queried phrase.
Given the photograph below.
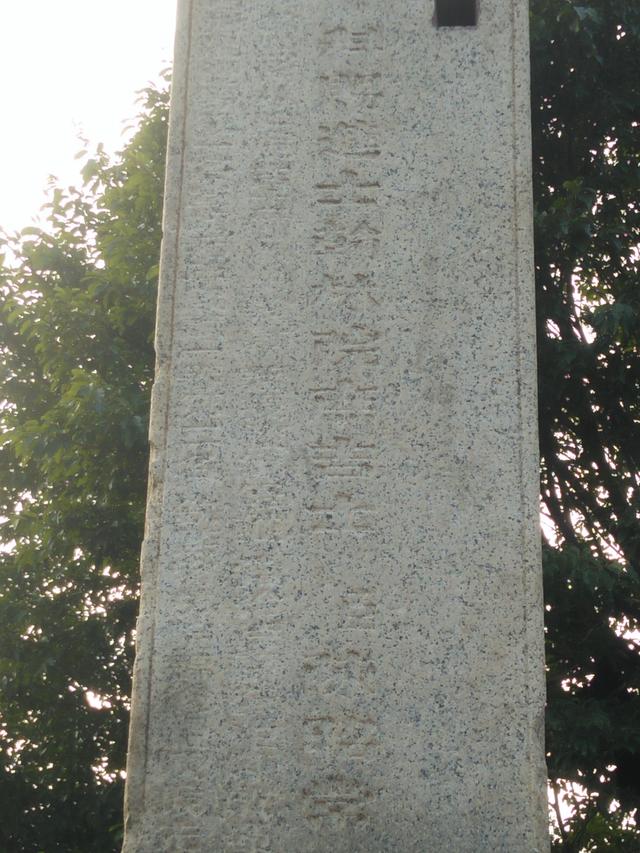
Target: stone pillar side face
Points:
(340, 643)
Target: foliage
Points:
(76, 322)
(586, 139)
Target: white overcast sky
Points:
(70, 67)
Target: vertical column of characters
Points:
(340, 729)
(252, 619)
(226, 512)
(343, 297)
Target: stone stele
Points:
(340, 639)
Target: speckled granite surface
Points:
(340, 641)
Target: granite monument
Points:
(340, 640)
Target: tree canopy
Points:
(77, 302)
(586, 147)
(76, 337)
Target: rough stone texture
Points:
(340, 642)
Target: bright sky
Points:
(70, 68)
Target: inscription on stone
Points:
(340, 641)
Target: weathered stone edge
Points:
(532, 593)
(160, 404)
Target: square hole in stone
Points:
(456, 13)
